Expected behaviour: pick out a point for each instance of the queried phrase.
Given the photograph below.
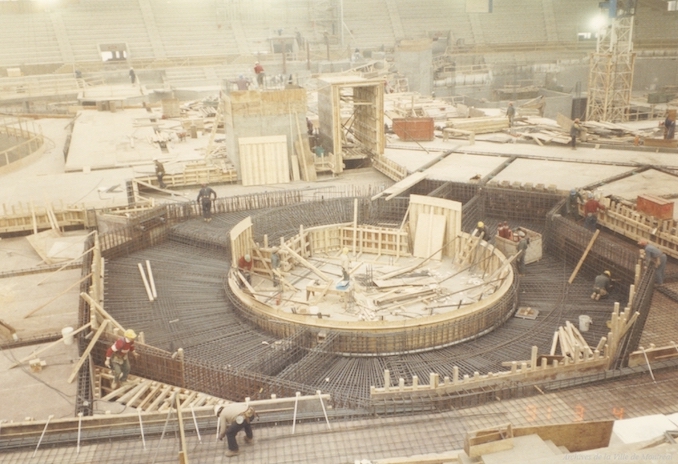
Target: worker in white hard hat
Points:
(245, 267)
(602, 285)
(117, 354)
(233, 418)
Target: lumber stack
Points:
(479, 125)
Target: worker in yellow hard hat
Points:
(118, 353)
(482, 231)
(602, 285)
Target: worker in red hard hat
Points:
(117, 354)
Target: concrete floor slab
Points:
(564, 175)
(24, 393)
(642, 428)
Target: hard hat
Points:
(573, 192)
(248, 258)
(275, 250)
(642, 242)
(520, 233)
(344, 251)
(130, 334)
(607, 273)
(481, 224)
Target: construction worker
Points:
(118, 353)
(261, 75)
(159, 172)
(657, 258)
(275, 264)
(523, 243)
(602, 286)
(345, 264)
(591, 208)
(245, 266)
(575, 131)
(511, 113)
(233, 418)
(482, 231)
(205, 197)
(572, 204)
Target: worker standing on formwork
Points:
(657, 258)
(233, 418)
(118, 354)
(205, 197)
(602, 286)
(591, 208)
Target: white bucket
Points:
(584, 323)
(67, 333)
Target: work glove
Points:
(108, 363)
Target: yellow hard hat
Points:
(481, 224)
(607, 273)
(130, 334)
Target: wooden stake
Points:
(45, 348)
(70, 287)
(583, 257)
(84, 356)
(146, 285)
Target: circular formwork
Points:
(369, 337)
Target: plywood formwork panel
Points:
(264, 160)
(421, 207)
(428, 239)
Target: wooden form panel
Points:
(421, 206)
(429, 236)
(368, 104)
(264, 160)
(241, 240)
(635, 225)
(325, 239)
(576, 436)
(376, 240)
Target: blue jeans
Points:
(591, 222)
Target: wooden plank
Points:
(429, 237)
(583, 257)
(399, 187)
(84, 356)
(575, 436)
(264, 160)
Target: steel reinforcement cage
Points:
(563, 238)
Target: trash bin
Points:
(584, 323)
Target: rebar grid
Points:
(221, 348)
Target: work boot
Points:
(249, 440)
(593, 295)
(230, 454)
(597, 296)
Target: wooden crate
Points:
(414, 129)
(510, 247)
(655, 206)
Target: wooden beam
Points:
(583, 257)
(45, 348)
(84, 356)
(305, 263)
(101, 310)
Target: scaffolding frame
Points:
(611, 73)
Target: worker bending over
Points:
(233, 418)
(602, 286)
(657, 258)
